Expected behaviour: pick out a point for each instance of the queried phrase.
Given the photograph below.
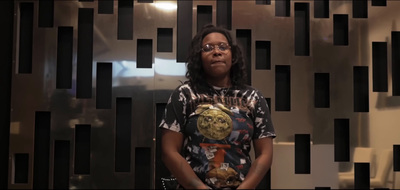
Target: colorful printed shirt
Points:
(218, 125)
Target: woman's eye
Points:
(207, 48)
(223, 47)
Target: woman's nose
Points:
(217, 51)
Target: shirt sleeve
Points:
(174, 114)
(262, 120)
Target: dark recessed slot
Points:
(263, 55)
(321, 90)
(64, 57)
(164, 39)
(266, 181)
(123, 135)
(6, 73)
(61, 164)
(361, 176)
(106, 6)
(144, 53)
(378, 2)
(85, 0)
(322, 188)
(321, 8)
(104, 86)
(145, 1)
(282, 88)
(224, 14)
(204, 16)
(269, 104)
(25, 38)
(360, 8)
(340, 29)
(125, 20)
(342, 140)
(302, 153)
(21, 167)
(46, 13)
(396, 63)
(143, 168)
(184, 29)
(42, 150)
(263, 2)
(379, 66)
(85, 53)
(82, 149)
(161, 170)
(396, 158)
(243, 38)
(361, 89)
(282, 8)
(302, 29)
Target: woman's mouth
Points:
(217, 62)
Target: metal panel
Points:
(148, 86)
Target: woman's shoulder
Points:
(250, 90)
(246, 87)
(184, 87)
(193, 88)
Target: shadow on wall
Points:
(381, 172)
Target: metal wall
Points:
(82, 114)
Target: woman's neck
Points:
(223, 83)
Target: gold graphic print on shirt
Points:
(214, 122)
(223, 177)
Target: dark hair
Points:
(195, 72)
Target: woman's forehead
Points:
(214, 38)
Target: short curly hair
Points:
(195, 72)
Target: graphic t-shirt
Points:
(219, 125)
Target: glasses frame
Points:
(218, 46)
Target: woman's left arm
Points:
(263, 149)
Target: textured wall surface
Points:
(90, 80)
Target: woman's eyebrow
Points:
(218, 43)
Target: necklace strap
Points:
(220, 91)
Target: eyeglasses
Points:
(223, 47)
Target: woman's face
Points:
(216, 56)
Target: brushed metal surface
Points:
(377, 128)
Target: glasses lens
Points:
(223, 46)
(208, 48)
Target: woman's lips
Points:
(217, 62)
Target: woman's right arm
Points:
(171, 143)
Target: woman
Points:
(214, 117)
